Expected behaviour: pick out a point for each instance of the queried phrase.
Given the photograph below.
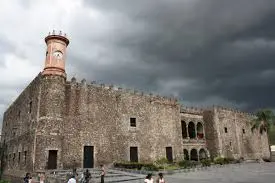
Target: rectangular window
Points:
(30, 107)
(133, 122)
(25, 157)
(225, 129)
(133, 154)
(19, 153)
(243, 130)
(13, 159)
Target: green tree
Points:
(264, 121)
(265, 118)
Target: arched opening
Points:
(191, 130)
(194, 155)
(200, 134)
(186, 154)
(183, 129)
(202, 154)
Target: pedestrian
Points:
(42, 178)
(160, 178)
(27, 178)
(72, 179)
(87, 176)
(102, 174)
(149, 179)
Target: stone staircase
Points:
(62, 176)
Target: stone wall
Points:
(18, 128)
(211, 133)
(234, 136)
(52, 114)
(99, 116)
(49, 132)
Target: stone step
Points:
(111, 176)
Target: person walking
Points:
(27, 178)
(149, 179)
(72, 179)
(87, 176)
(102, 174)
(160, 179)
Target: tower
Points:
(55, 54)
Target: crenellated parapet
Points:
(191, 110)
(152, 98)
(234, 110)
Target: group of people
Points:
(27, 178)
(149, 179)
(86, 176)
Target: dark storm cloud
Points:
(219, 48)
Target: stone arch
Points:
(194, 155)
(191, 130)
(202, 154)
(200, 131)
(186, 154)
(183, 129)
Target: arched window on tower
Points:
(183, 129)
(191, 130)
(200, 134)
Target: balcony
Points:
(194, 140)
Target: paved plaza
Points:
(240, 173)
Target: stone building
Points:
(57, 124)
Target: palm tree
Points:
(265, 118)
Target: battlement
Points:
(53, 33)
(153, 98)
(234, 110)
(191, 110)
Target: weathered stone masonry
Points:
(56, 123)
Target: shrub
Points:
(4, 181)
(136, 165)
(150, 167)
(187, 164)
(206, 162)
(266, 160)
(161, 161)
(219, 160)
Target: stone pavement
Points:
(236, 173)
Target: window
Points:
(25, 157)
(13, 157)
(19, 153)
(183, 129)
(19, 114)
(230, 143)
(243, 131)
(225, 129)
(30, 107)
(133, 122)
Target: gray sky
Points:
(204, 52)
